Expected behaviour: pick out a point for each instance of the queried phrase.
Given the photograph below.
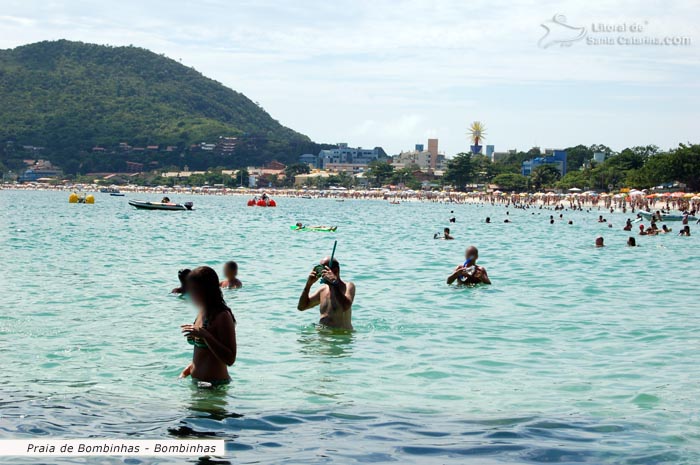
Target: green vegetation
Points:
(379, 173)
(511, 182)
(69, 97)
(640, 167)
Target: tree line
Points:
(639, 167)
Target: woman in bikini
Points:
(213, 333)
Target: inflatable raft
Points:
(160, 206)
(262, 203)
(314, 228)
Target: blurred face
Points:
(231, 272)
(335, 269)
(196, 295)
(471, 254)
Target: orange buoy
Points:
(272, 203)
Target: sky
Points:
(394, 73)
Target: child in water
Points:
(231, 273)
(182, 276)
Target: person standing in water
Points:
(213, 333)
(231, 273)
(335, 296)
(469, 272)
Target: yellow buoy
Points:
(90, 199)
(73, 198)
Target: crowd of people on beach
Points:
(634, 200)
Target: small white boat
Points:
(666, 217)
(160, 206)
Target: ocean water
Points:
(573, 355)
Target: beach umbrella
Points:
(574, 189)
(677, 195)
(688, 196)
(651, 196)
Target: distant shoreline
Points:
(399, 196)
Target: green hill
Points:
(69, 97)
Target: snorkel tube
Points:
(470, 269)
(330, 263)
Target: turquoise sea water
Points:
(575, 354)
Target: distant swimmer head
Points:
(231, 270)
(488, 219)
(599, 241)
(632, 242)
(300, 225)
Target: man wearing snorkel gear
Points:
(335, 296)
(469, 272)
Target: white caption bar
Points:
(80, 447)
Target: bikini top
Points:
(198, 341)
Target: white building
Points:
(421, 158)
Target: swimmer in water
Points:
(231, 273)
(213, 333)
(599, 241)
(300, 226)
(469, 272)
(334, 297)
(446, 234)
(631, 242)
(182, 276)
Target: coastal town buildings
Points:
(554, 157)
(425, 160)
(344, 158)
